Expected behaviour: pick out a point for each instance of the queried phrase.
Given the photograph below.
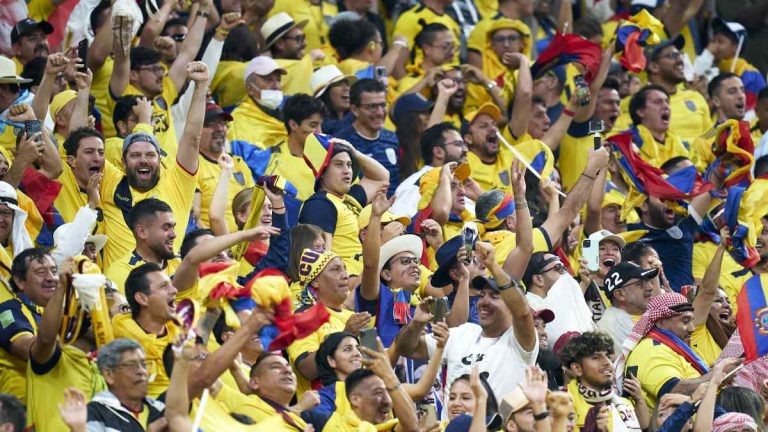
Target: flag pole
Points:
(732, 373)
(738, 53)
(522, 159)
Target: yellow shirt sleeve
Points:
(40, 10)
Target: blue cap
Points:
(446, 259)
(410, 103)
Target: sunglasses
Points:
(559, 268)
(407, 260)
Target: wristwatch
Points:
(491, 85)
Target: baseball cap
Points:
(27, 26)
(563, 340)
(652, 51)
(480, 282)
(546, 315)
(486, 108)
(262, 66)
(410, 103)
(599, 236)
(140, 137)
(512, 402)
(364, 218)
(213, 111)
(535, 265)
(60, 101)
(735, 30)
(621, 274)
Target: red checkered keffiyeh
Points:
(732, 421)
(658, 309)
(752, 374)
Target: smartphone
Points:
(596, 127)
(32, 127)
(441, 309)
(582, 90)
(82, 52)
(590, 250)
(380, 72)
(368, 339)
(469, 237)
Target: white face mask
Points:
(271, 98)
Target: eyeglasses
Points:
(505, 39)
(374, 106)
(179, 37)
(448, 46)
(298, 38)
(157, 69)
(133, 366)
(408, 260)
(457, 143)
(677, 55)
(559, 268)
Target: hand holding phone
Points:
(32, 128)
(82, 53)
(368, 339)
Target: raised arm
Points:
(155, 24)
(44, 345)
(189, 145)
(187, 53)
(517, 260)
(55, 64)
(556, 226)
(679, 13)
(374, 174)
(402, 405)
(475, 75)
(422, 388)
(79, 118)
(101, 46)
(442, 199)
(217, 213)
(370, 286)
(445, 89)
(177, 397)
(187, 273)
(481, 400)
(521, 107)
(460, 308)
(392, 59)
(121, 70)
(710, 282)
(593, 221)
(50, 161)
(557, 131)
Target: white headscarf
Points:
(19, 234)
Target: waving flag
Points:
(646, 180)
(752, 317)
(733, 148)
(641, 30)
(739, 219)
(569, 48)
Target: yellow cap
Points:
(364, 218)
(429, 181)
(486, 108)
(61, 100)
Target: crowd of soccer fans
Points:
(406, 215)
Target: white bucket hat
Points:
(8, 72)
(19, 234)
(327, 76)
(404, 243)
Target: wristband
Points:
(589, 176)
(568, 112)
(506, 287)
(491, 85)
(222, 33)
(400, 43)
(541, 416)
(203, 13)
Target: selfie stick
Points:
(200, 410)
(522, 159)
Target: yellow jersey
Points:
(582, 407)
(228, 84)
(655, 365)
(298, 76)
(118, 271)
(18, 318)
(408, 25)
(574, 153)
(504, 241)
(492, 176)
(252, 124)
(69, 367)
(176, 187)
(348, 421)
(100, 91)
(208, 177)
(704, 345)
(655, 152)
(260, 410)
(292, 168)
(690, 115)
(301, 347)
(125, 326)
(703, 252)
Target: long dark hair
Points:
(408, 133)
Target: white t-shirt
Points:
(617, 323)
(566, 300)
(502, 358)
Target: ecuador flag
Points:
(752, 317)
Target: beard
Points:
(160, 250)
(143, 185)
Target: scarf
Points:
(733, 420)
(659, 308)
(623, 416)
(25, 97)
(593, 396)
(679, 347)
